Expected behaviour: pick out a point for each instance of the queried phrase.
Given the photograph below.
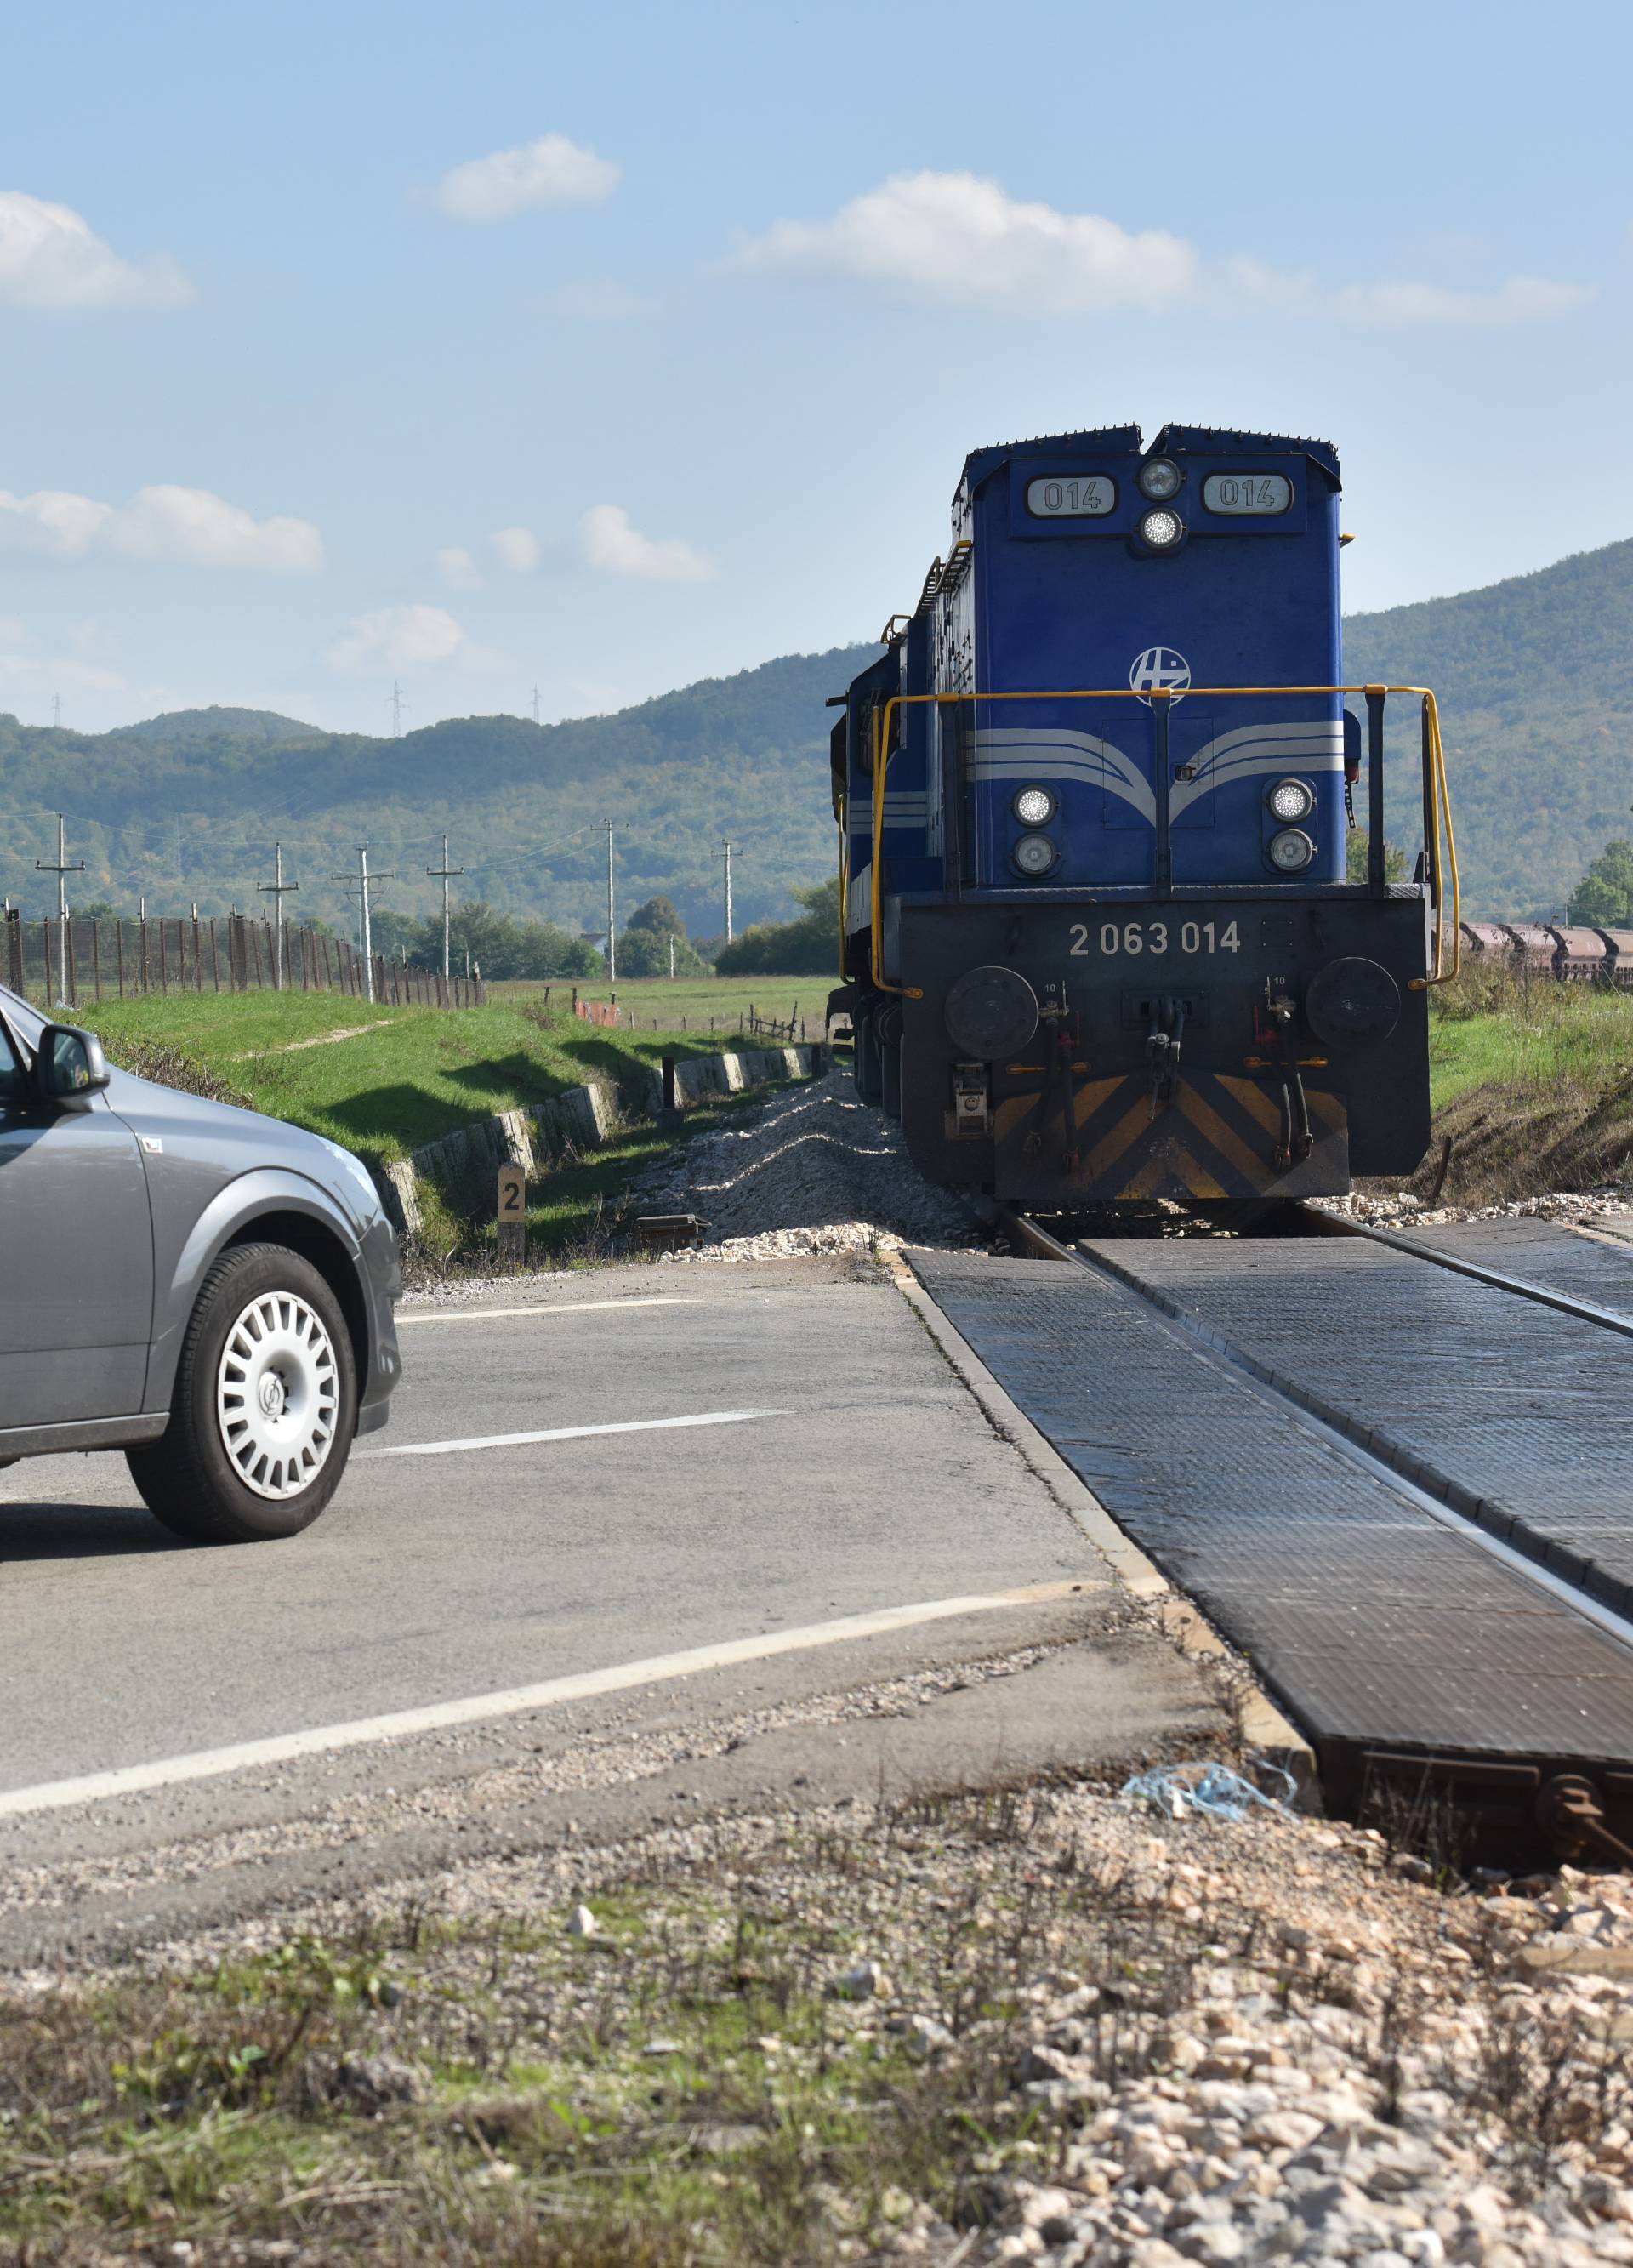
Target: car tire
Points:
(264, 1408)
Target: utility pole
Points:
(535, 704)
(56, 712)
(364, 882)
(277, 891)
(397, 698)
(726, 847)
(672, 960)
(64, 867)
(444, 871)
(611, 827)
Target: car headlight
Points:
(1290, 850)
(1291, 800)
(1034, 855)
(1033, 807)
(1160, 530)
(1160, 478)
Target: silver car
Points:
(206, 1290)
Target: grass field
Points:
(1533, 1082)
(406, 1077)
(697, 1004)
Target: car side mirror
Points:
(68, 1063)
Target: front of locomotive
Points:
(1135, 968)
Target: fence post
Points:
(14, 950)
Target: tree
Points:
(658, 916)
(1355, 858)
(1604, 896)
(806, 948)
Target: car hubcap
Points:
(277, 1394)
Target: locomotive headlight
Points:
(1160, 530)
(1034, 856)
(1290, 801)
(1033, 807)
(1291, 850)
(1160, 478)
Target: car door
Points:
(76, 1254)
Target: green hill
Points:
(1535, 677)
(1535, 682)
(744, 755)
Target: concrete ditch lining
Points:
(461, 1165)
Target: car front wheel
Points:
(264, 1408)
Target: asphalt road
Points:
(489, 1641)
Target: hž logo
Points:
(1159, 669)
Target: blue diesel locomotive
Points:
(1098, 940)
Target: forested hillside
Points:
(745, 756)
(1535, 677)
(1535, 680)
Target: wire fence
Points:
(78, 961)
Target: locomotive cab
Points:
(1096, 796)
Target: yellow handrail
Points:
(1440, 800)
(845, 876)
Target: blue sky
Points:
(306, 385)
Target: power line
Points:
(62, 868)
(277, 891)
(366, 882)
(611, 827)
(444, 871)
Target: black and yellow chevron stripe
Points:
(1217, 1137)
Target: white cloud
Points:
(611, 544)
(961, 239)
(551, 171)
(50, 257)
(160, 526)
(515, 548)
(1521, 299)
(458, 570)
(395, 637)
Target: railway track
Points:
(1397, 1473)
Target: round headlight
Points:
(1160, 531)
(1290, 800)
(1290, 850)
(1033, 807)
(1160, 478)
(1034, 855)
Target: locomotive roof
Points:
(1098, 440)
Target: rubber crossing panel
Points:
(1375, 1623)
(1520, 1412)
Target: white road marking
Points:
(564, 1307)
(585, 1685)
(570, 1433)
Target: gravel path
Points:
(814, 1171)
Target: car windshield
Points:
(25, 1021)
(13, 1077)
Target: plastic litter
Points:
(1214, 1789)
